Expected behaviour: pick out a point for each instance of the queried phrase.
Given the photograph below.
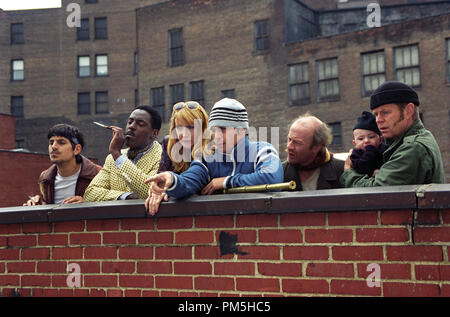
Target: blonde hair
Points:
(189, 116)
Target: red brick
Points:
(103, 225)
(234, 268)
(81, 292)
(132, 293)
(445, 290)
(9, 280)
(396, 217)
(258, 221)
(118, 267)
(387, 271)
(137, 224)
(257, 284)
(10, 228)
(53, 239)
(428, 217)
(279, 236)
(174, 282)
(37, 227)
(305, 253)
(382, 235)
(97, 292)
(305, 286)
(214, 222)
(10, 254)
(248, 236)
(2, 267)
(136, 253)
(100, 252)
(260, 252)
(210, 252)
(85, 238)
(51, 267)
(155, 237)
(175, 223)
(3, 241)
(34, 254)
(65, 293)
(357, 253)
(432, 234)
(100, 280)
(446, 216)
(61, 280)
(114, 293)
(414, 253)
(47, 292)
(21, 267)
(89, 266)
(328, 235)
(330, 269)
(194, 237)
(152, 294)
(119, 238)
(140, 281)
(214, 283)
(22, 241)
(35, 280)
(394, 289)
(303, 219)
(353, 287)
(352, 218)
(154, 267)
(173, 253)
(67, 253)
(432, 272)
(70, 226)
(194, 268)
(280, 269)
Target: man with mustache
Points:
(412, 156)
(124, 171)
(67, 179)
(309, 162)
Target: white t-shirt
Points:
(311, 182)
(65, 186)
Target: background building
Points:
(280, 58)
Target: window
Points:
(298, 79)
(90, 1)
(101, 65)
(136, 64)
(101, 102)
(176, 54)
(197, 91)
(17, 33)
(83, 30)
(176, 95)
(84, 103)
(336, 131)
(261, 36)
(17, 106)
(373, 71)
(17, 69)
(327, 80)
(101, 29)
(406, 64)
(157, 101)
(448, 60)
(20, 144)
(229, 93)
(84, 66)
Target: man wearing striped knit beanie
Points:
(236, 161)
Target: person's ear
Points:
(353, 142)
(77, 149)
(410, 109)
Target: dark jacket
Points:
(47, 180)
(166, 163)
(329, 176)
(414, 158)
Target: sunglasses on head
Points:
(189, 104)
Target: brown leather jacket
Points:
(47, 180)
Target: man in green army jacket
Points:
(412, 156)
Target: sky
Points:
(28, 4)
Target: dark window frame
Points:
(337, 133)
(404, 68)
(17, 110)
(17, 37)
(261, 36)
(327, 80)
(79, 67)
(100, 31)
(82, 106)
(97, 74)
(364, 91)
(83, 32)
(158, 101)
(228, 93)
(197, 91)
(101, 103)
(305, 100)
(13, 78)
(176, 50)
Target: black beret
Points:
(393, 92)
(367, 122)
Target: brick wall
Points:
(247, 252)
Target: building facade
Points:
(280, 58)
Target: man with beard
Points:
(309, 162)
(412, 156)
(124, 171)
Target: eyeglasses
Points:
(190, 104)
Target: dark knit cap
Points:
(367, 122)
(393, 92)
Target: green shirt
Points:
(413, 158)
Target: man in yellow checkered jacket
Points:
(124, 171)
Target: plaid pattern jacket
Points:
(110, 183)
